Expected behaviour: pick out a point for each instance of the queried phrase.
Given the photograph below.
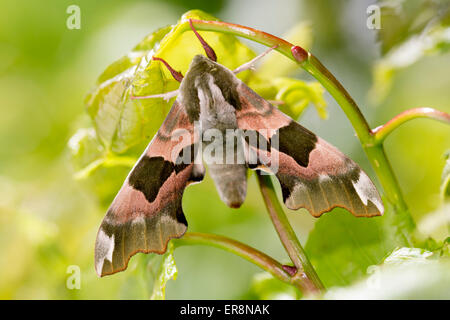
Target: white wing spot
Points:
(296, 196)
(138, 220)
(324, 178)
(367, 191)
(105, 249)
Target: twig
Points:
(288, 237)
(248, 253)
(383, 131)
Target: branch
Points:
(248, 253)
(288, 237)
(381, 132)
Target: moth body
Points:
(208, 90)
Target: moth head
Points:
(209, 77)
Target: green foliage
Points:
(341, 248)
(297, 95)
(120, 122)
(407, 273)
(166, 270)
(403, 19)
(410, 30)
(265, 287)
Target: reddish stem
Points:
(209, 51)
(175, 74)
(380, 133)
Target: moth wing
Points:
(312, 173)
(147, 212)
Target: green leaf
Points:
(85, 147)
(410, 30)
(444, 251)
(445, 180)
(406, 255)
(298, 94)
(111, 110)
(148, 275)
(167, 270)
(342, 247)
(120, 122)
(407, 273)
(88, 154)
(134, 56)
(402, 19)
(265, 287)
(291, 95)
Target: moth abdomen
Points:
(231, 182)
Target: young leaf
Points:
(351, 245)
(411, 30)
(406, 255)
(293, 95)
(133, 58)
(167, 270)
(85, 148)
(298, 94)
(265, 287)
(111, 110)
(403, 19)
(120, 122)
(407, 273)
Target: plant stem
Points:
(264, 38)
(248, 253)
(342, 97)
(288, 236)
(383, 131)
(375, 152)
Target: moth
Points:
(147, 211)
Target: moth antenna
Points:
(251, 64)
(175, 74)
(166, 96)
(276, 102)
(208, 50)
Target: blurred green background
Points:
(48, 220)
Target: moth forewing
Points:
(234, 147)
(179, 153)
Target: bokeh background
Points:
(49, 220)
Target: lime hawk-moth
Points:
(147, 211)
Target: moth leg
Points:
(208, 50)
(166, 96)
(276, 102)
(175, 74)
(251, 64)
